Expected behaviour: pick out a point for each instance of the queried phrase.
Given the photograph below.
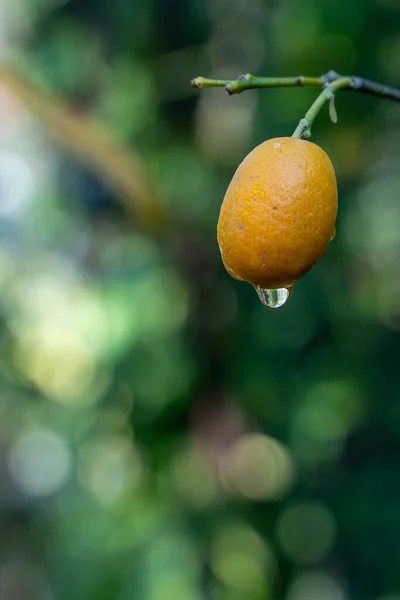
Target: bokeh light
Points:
(192, 477)
(306, 532)
(258, 467)
(17, 184)
(327, 413)
(316, 585)
(242, 560)
(39, 463)
(109, 467)
(222, 132)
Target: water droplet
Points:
(333, 235)
(273, 298)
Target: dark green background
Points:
(163, 436)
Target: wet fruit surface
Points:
(279, 213)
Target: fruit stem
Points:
(303, 129)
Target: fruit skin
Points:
(278, 214)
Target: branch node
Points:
(197, 82)
(330, 76)
(356, 83)
(236, 86)
(232, 88)
(246, 78)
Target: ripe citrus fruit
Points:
(279, 213)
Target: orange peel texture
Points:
(278, 214)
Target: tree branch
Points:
(248, 81)
(375, 89)
(112, 161)
(303, 130)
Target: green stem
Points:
(330, 81)
(247, 81)
(303, 129)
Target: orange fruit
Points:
(278, 213)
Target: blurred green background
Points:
(163, 436)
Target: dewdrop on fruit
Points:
(278, 216)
